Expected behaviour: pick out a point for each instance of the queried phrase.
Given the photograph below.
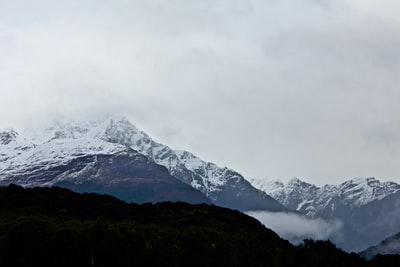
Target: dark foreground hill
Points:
(56, 227)
(388, 246)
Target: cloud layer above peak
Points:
(271, 88)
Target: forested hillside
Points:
(56, 227)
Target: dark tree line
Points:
(56, 227)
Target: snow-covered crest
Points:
(311, 199)
(64, 140)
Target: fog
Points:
(296, 227)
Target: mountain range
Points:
(102, 155)
(109, 155)
(369, 209)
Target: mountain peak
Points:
(370, 181)
(361, 191)
(296, 181)
(7, 136)
(114, 119)
(94, 127)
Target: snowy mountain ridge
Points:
(123, 132)
(311, 200)
(222, 185)
(50, 147)
(57, 144)
(367, 208)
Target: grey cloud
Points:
(296, 228)
(274, 89)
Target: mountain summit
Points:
(35, 157)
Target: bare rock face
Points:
(7, 136)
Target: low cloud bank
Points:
(296, 227)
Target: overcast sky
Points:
(270, 88)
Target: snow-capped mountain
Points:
(76, 156)
(33, 152)
(312, 200)
(368, 208)
(223, 186)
